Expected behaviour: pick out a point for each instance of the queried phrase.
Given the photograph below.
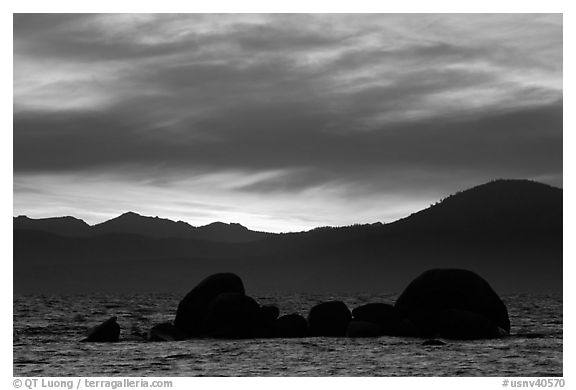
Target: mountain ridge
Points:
(148, 226)
(217, 225)
(499, 229)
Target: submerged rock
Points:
(108, 331)
(166, 331)
(232, 315)
(290, 326)
(134, 337)
(433, 342)
(329, 319)
(362, 329)
(193, 308)
(453, 303)
(382, 314)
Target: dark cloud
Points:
(522, 142)
(369, 104)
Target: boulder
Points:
(453, 302)
(465, 325)
(269, 313)
(108, 331)
(290, 326)
(329, 319)
(267, 316)
(381, 314)
(362, 329)
(232, 315)
(192, 310)
(166, 331)
(407, 328)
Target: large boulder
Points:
(267, 316)
(108, 331)
(453, 303)
(166, 331)
(407, 328)
(192, 310)
(232, 315)
(382, 314)
(291, 325)
(465, 325)
(329, 319)
(362, 329)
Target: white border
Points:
(324, 6)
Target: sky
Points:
(280, 122)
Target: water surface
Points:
(47, 329)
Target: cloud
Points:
(349, 106)
(270, 138)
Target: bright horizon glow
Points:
(217, 213)
(58, 198)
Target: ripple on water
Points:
(47, 329)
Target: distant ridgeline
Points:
(508, 231)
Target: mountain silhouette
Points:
(508, 231)
(135, 224)
(501, 206)
(132, 223)
(66, 226)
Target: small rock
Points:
(290, 326)
(329, 319)
(166, 331)
(108, 331)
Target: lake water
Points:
(47, 330)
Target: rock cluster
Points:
(440, 303)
